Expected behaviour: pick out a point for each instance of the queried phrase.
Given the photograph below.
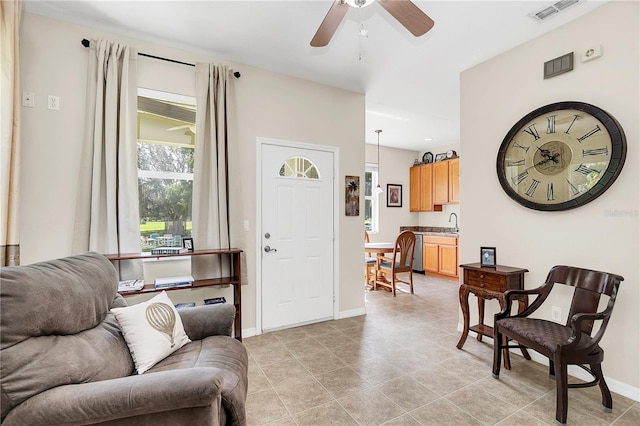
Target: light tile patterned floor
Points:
(398, 365)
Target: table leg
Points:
(464, 305)
(480, 316)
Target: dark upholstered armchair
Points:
(571, 343)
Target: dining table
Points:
(379, 249)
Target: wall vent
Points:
(552, 10)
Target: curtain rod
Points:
(86, 42)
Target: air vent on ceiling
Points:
(552, 10)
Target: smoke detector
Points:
(552, 10)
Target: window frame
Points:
(375, 203)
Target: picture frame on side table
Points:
(187, 243)
(488, 257)
(394, 195)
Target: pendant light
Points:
(378, 188)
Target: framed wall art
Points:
(394, 195)
(352, 195)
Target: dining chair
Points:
(369, 261)
(571, 343)
(401, 261)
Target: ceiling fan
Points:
(407, 13)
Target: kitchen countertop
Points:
(431, 230)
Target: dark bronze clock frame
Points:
(605, 177)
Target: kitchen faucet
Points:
(454, 214)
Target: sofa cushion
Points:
(153, 330)
(56, 326)
(225, 353)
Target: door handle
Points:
(267, 249)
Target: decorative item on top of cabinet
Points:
(421, 189)
(440, 255)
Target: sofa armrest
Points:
(120, 398)
(208, 320)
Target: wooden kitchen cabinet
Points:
(421, 189)
(430, 256)
(440, 255)
(441, 182)
(446, 182)
(454, 180)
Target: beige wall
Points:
(394, 169)
(601, 235)
(269, 105)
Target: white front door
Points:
(297, 236)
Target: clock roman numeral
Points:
(517, 145)
(551, 124)
(522, 176)
(532, 131)
(550, 194)
(574, 189)
(575, 117)
(597, 151)
(586, 170)
(591, 132)
(532, 187)
(515, 163)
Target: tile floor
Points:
(398, 365)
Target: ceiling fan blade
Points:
(409, 15)
(330, 23)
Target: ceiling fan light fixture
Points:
(359, 3)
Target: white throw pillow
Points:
(153, 330)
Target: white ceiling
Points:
(411, 84)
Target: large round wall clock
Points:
(561, 156)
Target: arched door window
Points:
(299, 168)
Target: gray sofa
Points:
(63, 359)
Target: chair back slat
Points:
(589, 286)
(405, 245)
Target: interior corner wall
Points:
(602, 235)
(269, 105)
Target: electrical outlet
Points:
(53, 102)
(556, 314)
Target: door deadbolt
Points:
(267, 235)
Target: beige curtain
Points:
(107, 214)
(10, 134)
(210, 213)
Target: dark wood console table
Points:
(489, 283)
(233, 279)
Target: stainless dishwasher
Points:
(417, 254)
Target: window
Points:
(166, 141)
(370, 199)
(299, 167)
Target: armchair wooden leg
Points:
(607, 402)
(562, 391)
(497, 352)
(552, 370)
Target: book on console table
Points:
(172, 282)
(168, 250)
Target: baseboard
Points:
(351, 313)
(248, 332)
(616, 386)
